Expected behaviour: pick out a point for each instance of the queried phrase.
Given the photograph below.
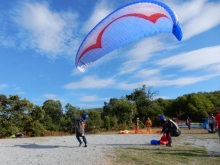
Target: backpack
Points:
(79, 128)
(175, 129)
(187, 121)
(211, 120)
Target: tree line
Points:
(20, 115)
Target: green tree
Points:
(107, 109)
(15, 114)
(107, 123)
(3, 100)
(53, 113)
(143, 101)
(94, 121)
(37, 113)
(124, 110)
(36, 129)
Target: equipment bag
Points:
(176, 131)
(79, 128)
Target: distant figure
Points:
(166, 129)
(80, 129)
(177, 121)
(204, 123)
(137, 125)
(217, 122)
(188, 122)
(211, 123)
(148, 124)
(204, 120)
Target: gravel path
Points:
(65, 151)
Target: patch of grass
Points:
(155, 155)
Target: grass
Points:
(179, 154)
(155, 155)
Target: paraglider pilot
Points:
(167, 129)
(80, 129)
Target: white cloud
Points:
(204, 21)
(50, 96)
(20, 93)
(196, 16)
(214, 68)
(183, 81)
(145, 73)
(159, 82)
(141, 52)
(44, 29)
(17, 88)
(198, 59)
(3, 86)
(91, 98)
(90, 82)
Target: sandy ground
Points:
(64, 150)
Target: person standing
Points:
(217, 122)
(188, 122)
(167, 128)
(148, 125)
(204, 123)
(137, 125)
(177, 121)
(211, 123)
(80, 129)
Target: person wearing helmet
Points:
(167, 128)
(80, 128)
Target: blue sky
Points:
(39, 41)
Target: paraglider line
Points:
(83, 63)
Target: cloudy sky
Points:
(39, 41)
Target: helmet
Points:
(85, 116)
(162, 117)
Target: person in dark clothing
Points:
(167, 129)
(80, 129)
(211, 123)
(188, 122)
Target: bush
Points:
(107, 123)
(36, 129)
(10, 131)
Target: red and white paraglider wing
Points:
(126, 24)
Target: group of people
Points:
(214, 123)
(211, 123)
(167, 127)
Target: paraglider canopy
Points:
(126, 24)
